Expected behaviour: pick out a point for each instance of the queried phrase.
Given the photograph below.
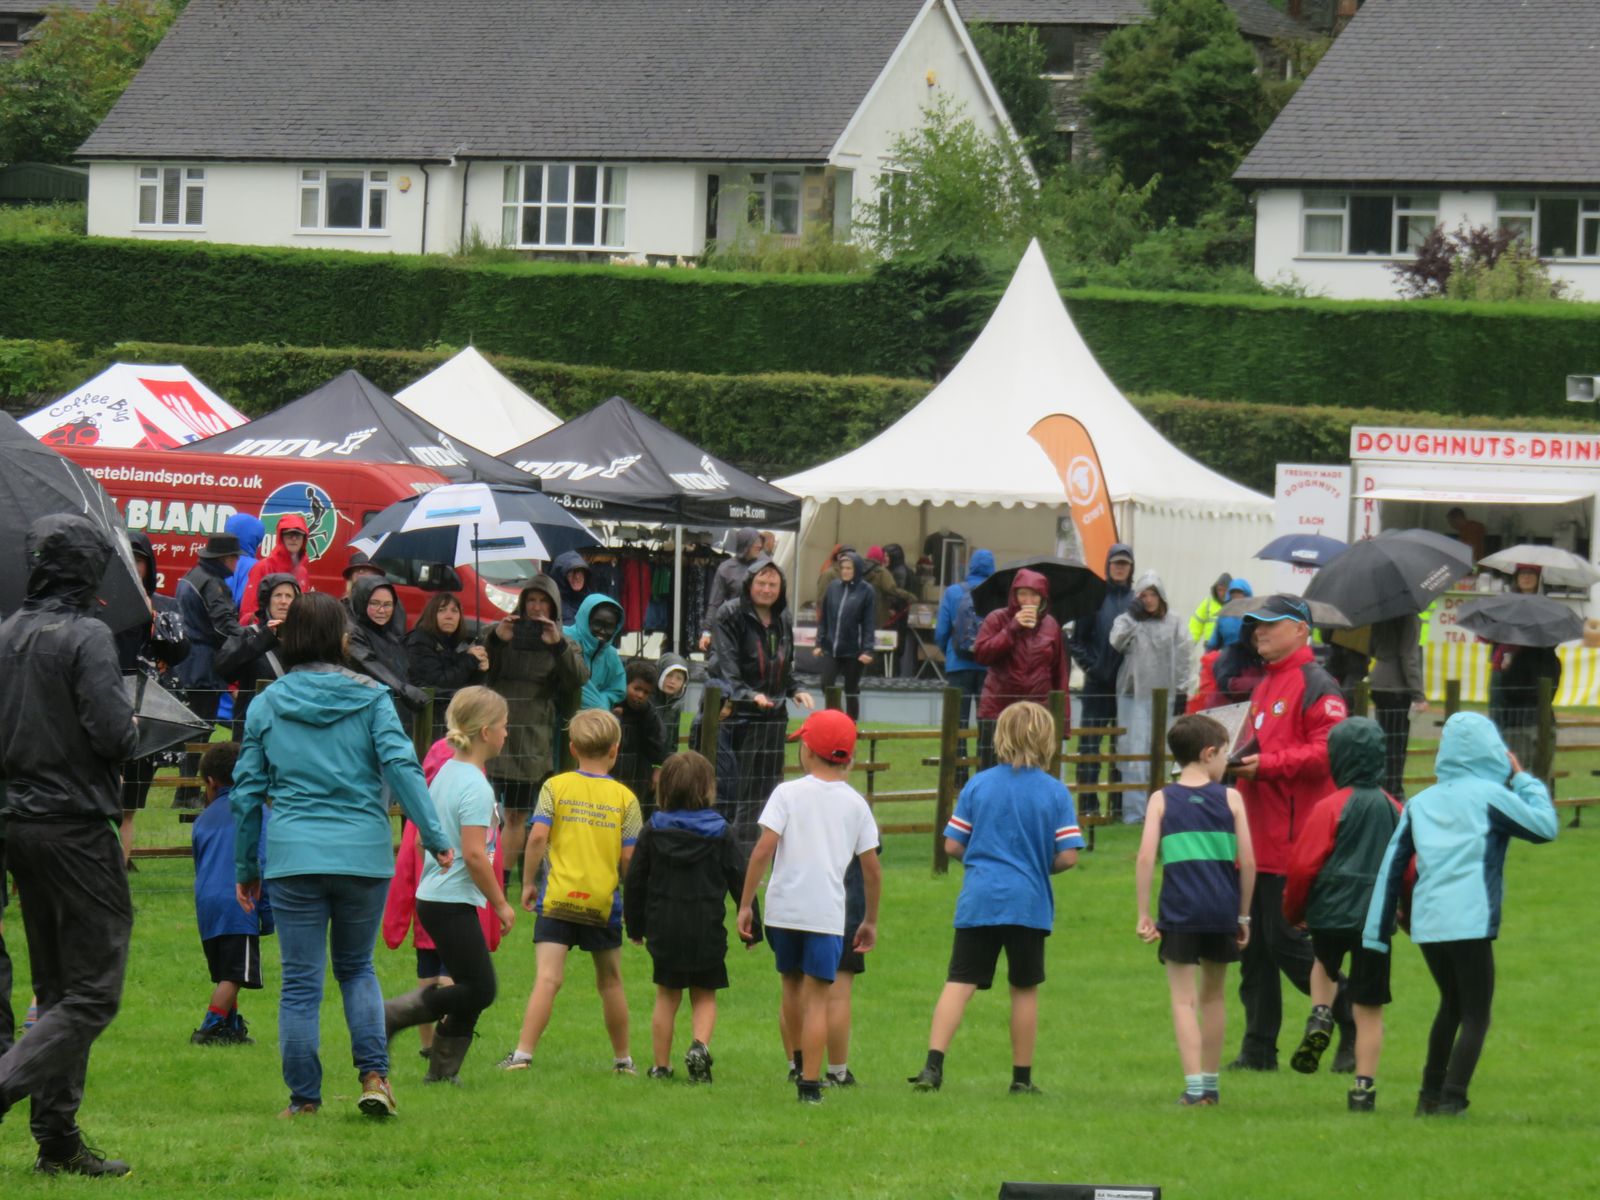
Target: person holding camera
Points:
(1021, 646)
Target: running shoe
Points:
(377, 1098)
(84, 1161)
(659, 1073)
(698, 1063)
(1308, 1055)
(512, 1063)
(929, 1079)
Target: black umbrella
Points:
(1398, 572)
(38, 481)
(1075, 590)
(1521, 619)
(164, 721)
(1325, 616)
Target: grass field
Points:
(201, 1121)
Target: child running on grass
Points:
(811, 829)
(1459, 829)
(231, 937)
(1333, 865)
(1197, 827)
(589, 823)
(1013, 827)
(685, 866)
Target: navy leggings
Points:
(1464, 972)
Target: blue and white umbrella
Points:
(1302, 549)
(471, 523)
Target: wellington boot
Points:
(404, 1011)
(444, 1061)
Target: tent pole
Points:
(477, 586)
(677, 591)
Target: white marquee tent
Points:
(134, 406)
(963, 460)
(469, 399)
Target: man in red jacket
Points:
(1291, 712)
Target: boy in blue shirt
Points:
(231, 937)
(1014, 826)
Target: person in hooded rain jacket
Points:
(1155, 652)
(575, 581)
(846, 626)
(892, 599)
(1022, 648)
(1226, 630)
(249, 530)
(440, 655)
(1515, 673)
(595, 629)
(209, 619)
(672, 681)
(1204, 619)
(539, 670)
(1333, 866)
(66, 728)
(325, 744)
(251, 655)
(1092, 651)
(377, 646)
(961, 670)
(1398, 690)
(728, 582)
(291, 555)
(752, 654)
(1458, 831)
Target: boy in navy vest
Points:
(1198, 829)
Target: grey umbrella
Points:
(1323, 615)
(1398, 572)
(1521, 619)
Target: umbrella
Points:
(1074, 589)
(38, 481)
(1521, 619)
(1395, 573)
(164, 720)
(1556, 566)
(1324, 615)
(1303, 549)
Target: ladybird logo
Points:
(310, 502)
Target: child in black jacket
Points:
(686, 861)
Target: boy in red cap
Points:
(811, 830)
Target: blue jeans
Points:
(311, 912)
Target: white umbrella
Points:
(1557, 566)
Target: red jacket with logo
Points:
(1291, 712)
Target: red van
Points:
(180, 500)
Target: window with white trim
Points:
(774, 201)
(1365, 224)
(344, 199)
(171, 196)
(565, 206)
(1566, 226)
(892, 185)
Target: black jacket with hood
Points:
(379, 651)
(847, 618)
(750, 657)
(146, 647)
(251, 655)
(572, 599)
(1091, 635)
(66, 724)
(729, 580)
(205, 597)
(685, 866)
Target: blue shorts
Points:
(813, 954)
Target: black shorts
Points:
(234, 958)
(571, 934)
(977, 950)
(1369, 971)
(709, 979)
(137, 777)
(429, 964)
(1185, 949)
(850, 960)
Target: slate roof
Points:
(1256, 18)
(37, 8)
(1445, 91)
(400, 80)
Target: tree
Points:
(1177, 98)
(1479, 263)
(1014, 57)
(73, 70)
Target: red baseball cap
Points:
(829, 734)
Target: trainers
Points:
(794, 1074)
(1344, 1058)
(514, 1062)
(698, 1063)
(377, 1098)
(848, 1079)
(811, 1094)
(625, 1067)
(1251, 1064)
(1450, 1107)
(929, 1079)
(305, 1109)
(1307, 1056)
(1360, 1099)
(1025, 1089)
(1203, 1100)
(659, 1073)
(213, 1033)
(1212, 1096)
(84, 1161)
(1427, 1104)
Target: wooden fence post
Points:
(944, 805)
(1059, 711)
(1452, 698)
(1544, 746)
(422, 728)
(1363, 697)
(1158, 738)
(710, 721)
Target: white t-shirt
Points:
(821, 825)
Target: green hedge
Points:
(31, 369)
(100, 291)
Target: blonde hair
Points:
(593, 732)
(471, 711)
(1025, 735)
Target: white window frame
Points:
(1588, 230)
(312, 183)
(1402, 211)
(609, 206)
(152, 178)
(760, 189)
(891, 184)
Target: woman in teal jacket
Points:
(324, 745)
(1458, 830)
(599, 619)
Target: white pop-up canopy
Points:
(471, 400)
(963, 460)
(134, 406)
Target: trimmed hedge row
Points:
(38, 369)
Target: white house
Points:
(1435, 112)
(618, 129)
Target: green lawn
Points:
(199, 1121)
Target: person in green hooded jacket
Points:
(599, 619)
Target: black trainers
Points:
(219, 1034)
(810, 1093)
(1450, 1107)
(85, 1161)
(1308, 1055)
(1025, 1089)
(698, 1063)
(1250, 1064)
(1362, 1099)
(1427, 1104)
(1212, 1096)
(848, 1079)
(1344, 1058)
(658, 1073)
(929, 1079)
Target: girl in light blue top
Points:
(451, 893)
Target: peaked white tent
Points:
(469, 399)
(135, 406)
(963, 460)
